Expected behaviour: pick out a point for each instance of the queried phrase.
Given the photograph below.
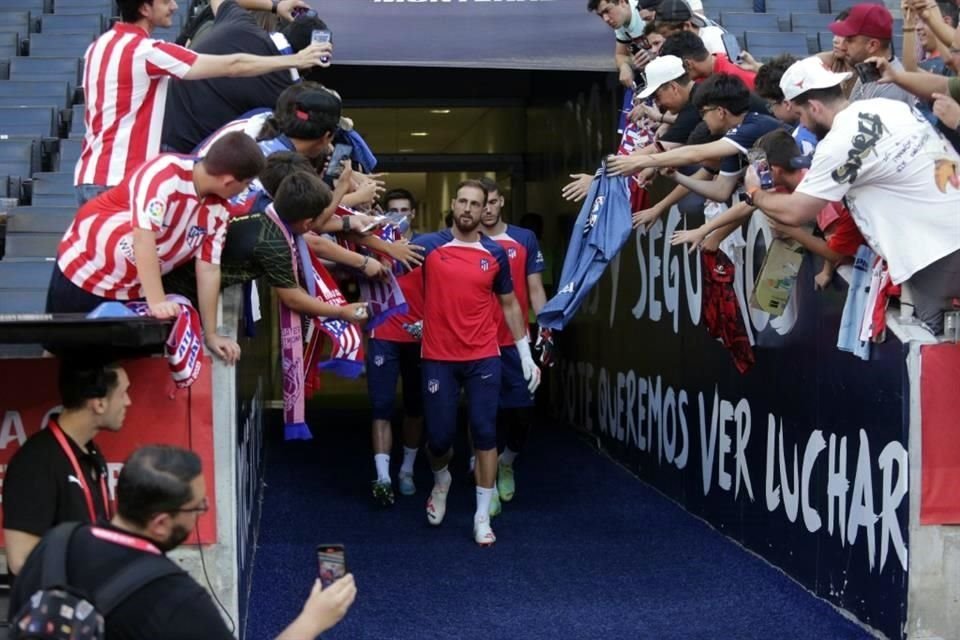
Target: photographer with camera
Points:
(867, 32)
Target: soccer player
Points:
(466, 279)
(169, 211)
(516, 401)
(394, 351)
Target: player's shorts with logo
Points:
(386, 361)
(442, 382)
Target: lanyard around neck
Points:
(81, 477)
(124, 540)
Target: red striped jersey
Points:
(96, 252)
(525, 258)
(460, 284)
(125, 91)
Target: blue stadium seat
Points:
(15, 22)
(75, 7)
(764, 45)
(77, 125)
(59, 44)
(34, 93)
(749, 21)
(88, 23)
(53, 190)
(29, 121)
(9, 45)
(785, 7)
(69, 154)
(25, 301)
(826, 40)
(24, 274)
(810, 22)
(40, 219)
(836, 6)
(36, 6)
(31, 245)
(19, 157)
(37, 68)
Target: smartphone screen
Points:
(867, 72)
(321, 36)
(732, 46)
(331, 563)
(340, 153)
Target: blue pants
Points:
(514, 393)
(442, 382)
(386, 361)
(87, 192)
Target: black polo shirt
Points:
(172, 607)
(40, 489)
(197, 108)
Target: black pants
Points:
(65, 297)
(933, 287)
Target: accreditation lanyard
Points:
(123, 539)
(80, 475)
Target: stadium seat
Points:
(785, 7)
(764, 45)
(87, 23)
(36, 6)
(53, 190)
(167, 33)
(810, 22)
(9, 45)
(29, 121)
(31, 93)
(31, 245)
(36, 68)
(22, 301)
(24, 274)
(40, 219)
(19, 158)
(749, 21)
(59, 44)
(15, 22)
(75, 7)
(836, 6)
(77, 125)
(69, 154)
(826, 40)
(714, 8)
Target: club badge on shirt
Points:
(512, 253)
(484, 264)
(196, 235)
(433, 386)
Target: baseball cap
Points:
(678, 11)
(807, 74)
(871, 20)
(661, 71)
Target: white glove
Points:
(531, 373)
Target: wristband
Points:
(748, 196)
(275, 4)
(363, 265)
(346, 223)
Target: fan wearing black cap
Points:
(674, 16)
(623, 17)
(198, 108)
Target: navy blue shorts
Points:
(513, 386)
(387, 361)
(442, 382)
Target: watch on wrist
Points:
(346, 223)
(748, 196)
(275, 4)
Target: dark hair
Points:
(593, 5)
(301, 196)
(83, 378)
(781, 148)
(279, 166)
(686, 46)
(949, 10)
(723, 90)
(476, 184)
(650, 27)
(828, 95)
(768, 77)
(399, 194)
(672, 26)
(701, 134)
(843, 15)
(299, 33)
(130, 9)
(490, 185)
(156, 479)
(235, 154)
(310, 115)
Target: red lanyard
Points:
(123, 539)
(80, 475)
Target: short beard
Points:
(465, 229)
(819, 130)
(177, 537)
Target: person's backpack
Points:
(58, 611)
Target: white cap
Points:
(661, 71)
(809, 73)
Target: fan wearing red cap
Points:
(867, 32)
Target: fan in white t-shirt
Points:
(897, 175)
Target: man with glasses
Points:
(161, 495)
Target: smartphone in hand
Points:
(340, 153)
(867, 72)
(758, 160)
(331, 563)
(321, 36)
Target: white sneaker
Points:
(437, 504)
(482, 533)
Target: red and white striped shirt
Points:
(125, 89)
(96, 252)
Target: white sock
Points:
(442, 477)
(483, 503)
(382, 460)
(409, 456)
(508, 456)
(473, 463)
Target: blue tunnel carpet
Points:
(584, 550)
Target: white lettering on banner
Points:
(12, 429)
(644, 412)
